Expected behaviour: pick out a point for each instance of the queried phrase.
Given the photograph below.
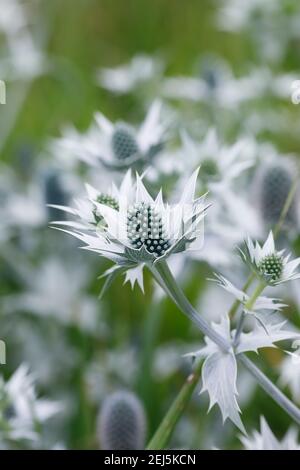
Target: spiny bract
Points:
(106, 200)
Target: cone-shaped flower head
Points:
(122, 422)
(123, 142)
(276, 184)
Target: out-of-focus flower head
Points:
(265, 439)
(22, 206)
(111, 369)
(272, 185)
(126, 78)
(271, 24)
(122, 422)
(20, 410)
(118, 146)
(215, 86)
(23, 58)
(57, 289)
(219, 163)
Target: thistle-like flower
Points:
(270, 265)
(117, 146)
(276, 183)
(21, 411)
(126, 78)
(219, 163)
(137, 229)
(86, 210)
(122, 422)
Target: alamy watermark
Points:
(2, 353)
(2, 92)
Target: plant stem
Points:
(166, 428)
(239, 329)
(165, 278)
(237, 303)
(258, 290)
(286, 207)
(248, 307)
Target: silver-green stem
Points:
(247, 307)
(239, 329)
(252, 299)
(166, 280)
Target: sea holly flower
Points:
(23, 59)
(20, 408)
(117, 146)
(120, 145)
(140, 229)
(275, 184)
(266, 440)
(219, 163)
(126, 78)
(86, 210)
(122, 422)
(270, 265)
(216, 84)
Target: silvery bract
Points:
(21, 409)
(260, 304)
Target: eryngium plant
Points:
(122, 422)
(134, 230)
(276, 183)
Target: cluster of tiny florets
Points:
(123, 143)
(106, 200)
(145, 228)
(272, 265)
